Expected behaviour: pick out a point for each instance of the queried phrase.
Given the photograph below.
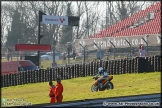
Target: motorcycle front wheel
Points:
(94, 88)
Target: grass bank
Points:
(79, 88)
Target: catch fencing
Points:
(114, 67)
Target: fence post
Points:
(13, 79)
(113, 67)
(9, 80)
(133, 71)
(44, 75)
(20, 78)
(117, 67)
(36, 76)
(147, 64)
(160, 58)
(68, 76)
(50, 74)
(129, 66)
(23, 78)
(55, 73)
(77, 70)
(2, 78)
(39, 75)
(70, 72)
(94, 65)
(16, 79)
(109, 67)
(29, 76)
(47, 76)
(124, 66)
(88, 69)
(6, 80)
(74, 70)
(91, 69)
(106, 65)
(63, 73)
(32, 74)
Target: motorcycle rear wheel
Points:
(94, 88)
(109, 86)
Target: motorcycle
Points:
(107, 84)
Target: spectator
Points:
(8, 54)
(142, 60)
(59, 90)
(52, 92)
(142, 52)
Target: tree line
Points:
(19, 19)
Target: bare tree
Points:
(89, 16)
(6, 18)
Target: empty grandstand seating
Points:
(144, 25)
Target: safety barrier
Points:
(138, 100)
(114, 67)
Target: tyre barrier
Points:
(113, 67)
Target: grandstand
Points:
(145, 22)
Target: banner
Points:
(32, 47)
(119, 42)
(62, 20)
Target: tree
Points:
(16, 27)
(6, 16)
(67, 30)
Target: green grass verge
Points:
(80, 88)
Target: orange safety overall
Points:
(58, 92)
(52, 95)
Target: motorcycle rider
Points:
(104, 75)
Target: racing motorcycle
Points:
(107, 84)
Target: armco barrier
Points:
(149, 99)
(114, 67)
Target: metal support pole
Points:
(130, 46)
(146, 44)
(68, 47)
(84, 55)
(159, 37)
(83, 50)
(54, 61)
(54, 49)
(68, 54)
(113, 48)
(99, 48)
(39, 37)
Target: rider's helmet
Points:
(100, 70)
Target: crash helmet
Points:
(100, 70)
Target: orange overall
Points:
(51, 94)
(58, 92)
